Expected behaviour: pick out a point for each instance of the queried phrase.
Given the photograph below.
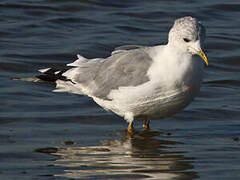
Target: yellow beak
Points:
(203, 56)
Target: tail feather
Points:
(53, 74)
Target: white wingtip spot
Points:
(43, 70)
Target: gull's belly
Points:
(154, 105)
(164, 105)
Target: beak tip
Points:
(203, 56)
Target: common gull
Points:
(139, 82)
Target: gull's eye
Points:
(186, 40)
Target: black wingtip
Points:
(53, 74)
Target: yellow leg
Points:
(146, 124)
(130, 127)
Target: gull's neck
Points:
(176, 49)
(170, 65)
(170, 53)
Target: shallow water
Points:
(47, 135)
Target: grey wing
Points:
(122, 70)
(126, 48)
(100, 76)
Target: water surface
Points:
(47, 135)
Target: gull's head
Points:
(188, 34)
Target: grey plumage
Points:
(124, 68)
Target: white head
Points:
(188, 34)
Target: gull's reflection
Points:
(143, 156)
